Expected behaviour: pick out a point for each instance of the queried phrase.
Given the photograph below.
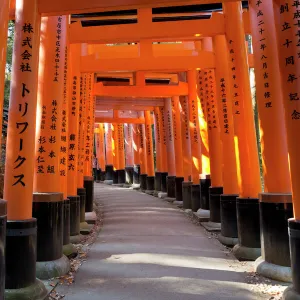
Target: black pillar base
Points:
(195, 197)
(178, 188)
(136, 174)
(214, 204)
(74, 216)
(248, 229)
(98, 175)
(81, 192)
(66, 222)
(229, 231)
(115, 177)
(143, 182)
(121, 176)
(150, 183)
(20, 260)
(164, 176)
(89, 189)
(47, 208)
(187, 194)
(171, 186)
(158, 181)
(129, 175)
(205, 183)
(275, 211)
(3, 219)
(293, 292)
(109, 171)
(103, 176)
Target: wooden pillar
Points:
(245, 137)
(108, 144)
(18, 183)
(157, 130)
(149, 151)
(194, 127)
(142, 154)
(163, 138)
(177, 136)
(287, 19)
(101, 148)
(158, 146)
(81, 128)
(50, 177)
(215, 143)
(177, 147)
(135, 145)
(89, 127)
(73, 120)
(202, 116)
(170, 148)
(64, 155)
(128, 145)
(109, 168)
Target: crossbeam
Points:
(166, 31)
(65, 7)
(120, 120)
(157, 91)
(205, 60)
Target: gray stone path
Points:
(148, 249)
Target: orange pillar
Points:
(214, 138)
(4, 13)
(170, 148)
(114, 146)
(158, 146)
(73, 120)
(136, 155)
(89, 127)
(142, 154)
(157, 139)
(128, 144)
(149, 151)
(203, 127)
(64, 155)
(194, 127)
(177, 136)
(81, 128)
(109, 168)
(274, 151)
(287, 20)
(225, 114)
(101, 148)
(186, 140)
(245, 137)
(20, 159)
(51, 134)
(50, 100)
(163, 138)
(120, 150)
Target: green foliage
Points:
(9, 54)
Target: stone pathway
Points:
(148, 249)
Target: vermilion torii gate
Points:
(182, 89)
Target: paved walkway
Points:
(148, 249)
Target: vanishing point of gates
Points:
(160, 93)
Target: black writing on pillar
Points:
(185, 117)
(57, 49)
(214, 113)
(169, 120)
(174, 120)
(157, 123)
(224, 104)
(22, 126)
(162, 112)
(289, 40)
(263, 44)
(235, 94)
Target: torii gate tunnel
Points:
(157, 95)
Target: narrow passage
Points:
(148, 249)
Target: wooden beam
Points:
(163, 91)
(125, 107)
(65, 7)
(120, 120)
(205, 60)
(154, 31)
